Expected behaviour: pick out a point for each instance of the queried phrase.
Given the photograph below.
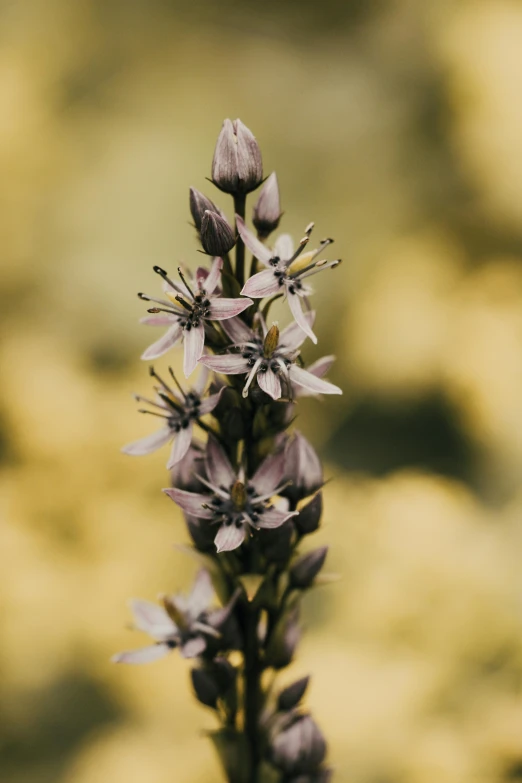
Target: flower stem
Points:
(252, 682)
(239, 207)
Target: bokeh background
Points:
(397, 127)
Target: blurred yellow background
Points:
(397, 127)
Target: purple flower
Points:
(284, 273)
(180, 410)
(185, 311)
(186, 622)
(233, 503)
(271, 357)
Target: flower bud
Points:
(305, 568)
(216, 235)
(276, 544)
(199, 203)
(213, 681)
(183, 474)
(302, 468)
(237, 166)
(284, 640)
(201, 534)
(292, 695)
(299, 746)
(309, 516)
(267, 210)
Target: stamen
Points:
(171, 403)
(171, 371)
(251, 376)
(322, 244)
(320, 265)
(286, 371)
(216, 490)
(184, 303)
(154, 413)
(180, 273)
(161, 272)
(309, 228)
(140, 398)
(301, 246)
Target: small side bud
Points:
(284, 640)
(271, 341)
(237, 166)
(216, 234)
(299, 747)
(199, 204)
(267, 210)
(305, 568)
(292, 695)
(307, 521)
(302, 468)
(212, 681)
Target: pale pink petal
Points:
(193, 647)
(194, 342)
(191, 502)
(321, 366)
(262, 284)
(209, 403)
(312, 382)
(149, 443)
(143, 655)
(201, 382)
(273, 518)
(221, 308)
(159, 320)
(213, 276)
(152, 619)
(162, 345)
(284, 247)
(201, 594)
(262, 253)
(270, 383)
(269, 474)
(292, 336)
(219, 470)
(229, 537)
(238, 331)
(227, 363)
(201, 276)
(181, 445)
(297, 311)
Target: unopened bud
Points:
(271, 341)
(276, 544)
(199, 203)
(307, 521)
(299, 747)
(201, 534)
(213, 681)
(216, 234)
(267, 210)
(302, 468)
(237, 166)
(306, 568)
(292, 695)
(284, 640)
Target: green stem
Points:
(252, 688)
(239, 207)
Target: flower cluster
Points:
(250, 490)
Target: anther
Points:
(180, 273)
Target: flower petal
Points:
(270, 383)
(269, 474)
(292, 336)
(194, 342)
(221, 308)
(261, 284)
(213, 276)
(209, 403)
(272, 518)
(142, 655)
(181, 445)
(229, 537)
(219, 470)
(159, 320)
(201, 594)
(191, 502)
(227, 363)
(262, 253)
(284, 247)
(149, 443)
(152, 619)
(238, 331)
(162, 345)
(297, 311)
(321, 366)
(193, 647)
(312, 382)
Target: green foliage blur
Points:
(396, 126)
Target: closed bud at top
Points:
(302, 468)
(298, 747)
(199, 203)
(216, 234)
(237, 166)
(306, 568)
(267, 210)
(292, 695)
(307, 521)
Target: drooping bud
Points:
(298, 747)
(216, 234)
(199, 203)
(307, 521)
(271, 341)
(237, 166)
(292, 695)
(213, 680)
(305, 568)
(267, 210)
(302, 468)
